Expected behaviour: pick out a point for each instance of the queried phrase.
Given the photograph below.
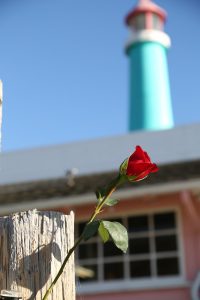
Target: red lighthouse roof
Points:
(145, 6)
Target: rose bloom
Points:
(138, 166)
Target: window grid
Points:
(127, 256)
(100, 262)
(152, 256)
(152, 247)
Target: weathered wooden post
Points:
(32, 247)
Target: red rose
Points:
(138, 166)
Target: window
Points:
(153, 250)
(157, 22)
(140, 22)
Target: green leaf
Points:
(123, 167)
(90, 230)
(103, 232)
(111, 202)
(118, 234)
(98, 195)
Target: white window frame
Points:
(127, 284)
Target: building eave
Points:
(89, 198)
(56, 192)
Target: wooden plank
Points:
(32, 247)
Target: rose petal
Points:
(137, 168)
(154, 168)
(138, 154)
(147, 158)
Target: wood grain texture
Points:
(32, 246)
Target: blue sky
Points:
(65, 73)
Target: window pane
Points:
(166, 243)
(140, 21)
(139, 246)
(167, 266)
(90, 273)
(110, 249)
(88, 251)
(81, 227)
(140, 268)
(116, 220)
(113, 271)
(138, 224)
(164, 221)
(156, 22)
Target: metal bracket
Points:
(10, 295)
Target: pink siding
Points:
(189, 208)
(190, 212)
(176, 294)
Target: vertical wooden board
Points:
(32, 247)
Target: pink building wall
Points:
(173, 294)
(188, 208)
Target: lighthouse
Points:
(150, 105)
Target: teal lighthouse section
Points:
(150, 100)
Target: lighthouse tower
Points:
(150, 99)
